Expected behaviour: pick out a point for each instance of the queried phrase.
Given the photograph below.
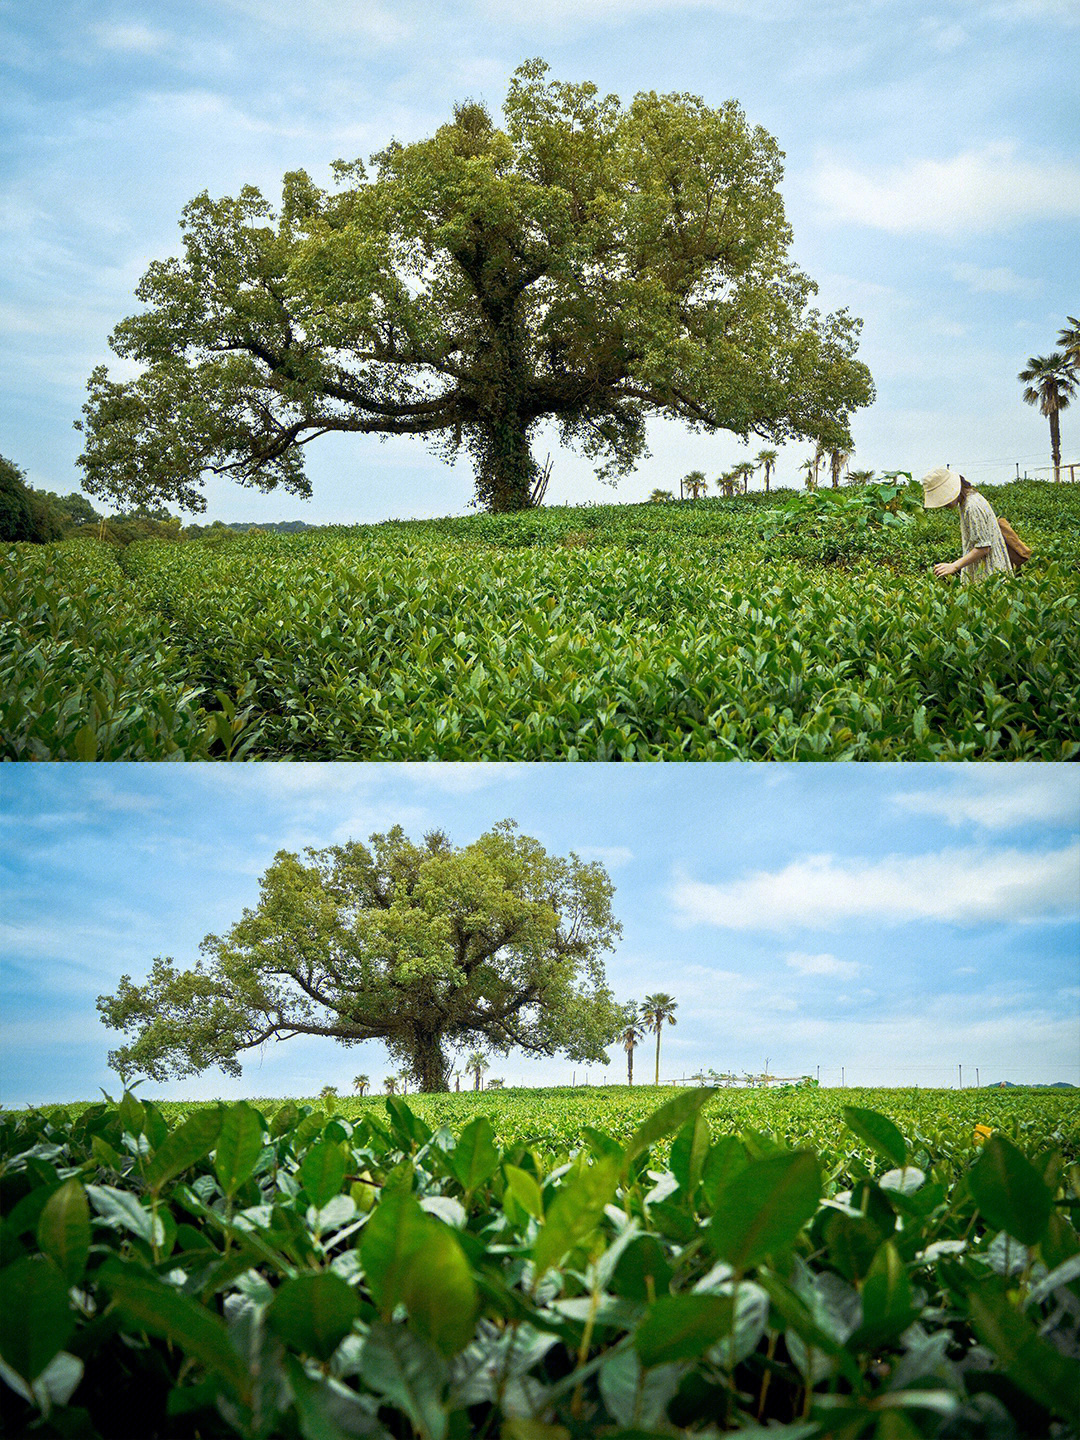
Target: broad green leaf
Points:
(879, 1132)
(396, 1230)
(409, 1373)
(161, 1310)
(132, 1114)
(574, 1213)
(35, 1315)
(635, 1398)
(284, 1119)
(642, 1271)
(681, 1327)
(324, 1412)
(722, 1163)
(121, 1210)
(239, 1142)
(184, 1146)
(526, 1190)
(765, 1206)
(64, 1230)
(1031, 1362)
(688, 1153)
(474, 1158)
(1010, 1192)
(322, 1172)
(671, 1115)
(439, 1291)
(888, 1307)
(314, 1313)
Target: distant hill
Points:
(284, 527)
(1011, 1085)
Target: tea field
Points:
(544, 1266)
(714, 629)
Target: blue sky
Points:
(933, 181)
(893, 920)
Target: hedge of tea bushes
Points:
(297, 1272)
(622, 632)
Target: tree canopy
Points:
(427, 947)
(587, 264)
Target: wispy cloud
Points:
(131, 38)
(610, 855)
(826, 964)
(994, 280)
(958, 887)
(1000, 797)
(976, 191)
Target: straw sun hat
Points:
(940, 487)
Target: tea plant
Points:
(305, 1274)
(622, 632)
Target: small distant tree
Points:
(657, 1011)
(660, 497)
(390, 1084)
(742, 473)
(766, 462)
(361, 1083)
(495, 1082)
(475, 1065)
(839, 455)
(633, 1033)
(1050, 384)
(693, 484)
(727, 483)
(810, 468)
(860, 477)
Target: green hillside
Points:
(748, 628)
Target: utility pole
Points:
(976, 1077)
(842, 1077)
(960, 1077)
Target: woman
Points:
(980, 534)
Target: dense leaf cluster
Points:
(304, 1274)
(633, 632)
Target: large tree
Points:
(586, 263)
(426, 947)
(1050, 383)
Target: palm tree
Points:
(390, 1084)
(811, 474)
(743, 471)
(860, 477)
(658, 496)
(693, 484)
(361, 1083)
(476, 1064)
(632, 1036)
(766, 459)
(1069, 340)
(838, 458)
(726, 483)
(1050, 383)
(403, 1076)
(655, 1010)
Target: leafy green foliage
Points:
(526, 1298)
(662, 631)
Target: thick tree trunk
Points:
(430, 1064)
(506, 470)
(630, 1066)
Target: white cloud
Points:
(994, 280)
(132, 39)
(609, 855)
(1000, 797)
(821, 964)
(982, 191)
(958, 887)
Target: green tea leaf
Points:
(1031, 1362)
(888, 1307)
(439, 1291)
(161, 1310)
(409, 1373)
(64, 1230)
(879, 1132)
(314, 1313)
(1010, 1192)
(35, 1317)
(722, 1163)
(525, 1190)
(669, 1117)
(765, 1206)
(574, 1213)
(185, 1146)
(474, 1158)
(239, 1142)
(689, 1150)
(397, 1229)
(322, 1172)
(681, 1327)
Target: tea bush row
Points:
(303, 1273)
(632, 632)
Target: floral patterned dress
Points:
(978, 528)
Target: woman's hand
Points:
(946, 567)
